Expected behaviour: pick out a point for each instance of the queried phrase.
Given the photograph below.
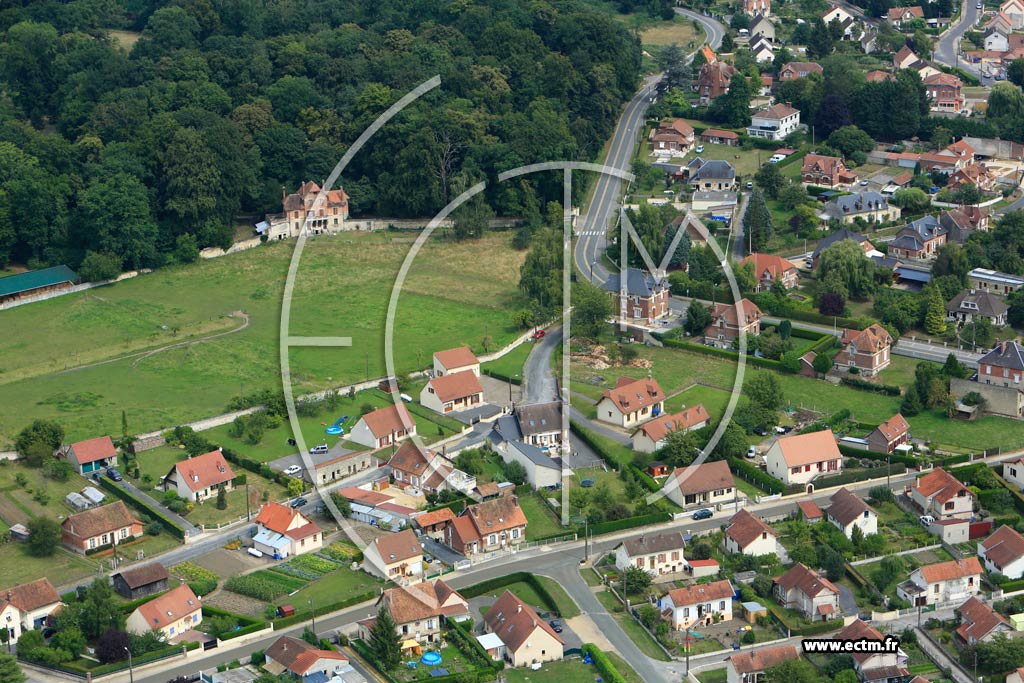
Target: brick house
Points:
(757, 7)
(108, 525)
(944, 92)
(631, 401)
(307, 209)
(675, 136)
(826, 171)
(651, 436)
(713, 80)
(887, 436)
(768, 268)
(452, 393)
(487, 526)
(919, 239)
(1003, 365)
(645, 299)
(801, 589)
(975, 173)
(727, 324)
(867, 350)
(199, 478)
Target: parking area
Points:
(282, 464)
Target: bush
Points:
(864, 385)
(173, 527)
(603, 665)
(756, 476)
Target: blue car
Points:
(703, 513)
(114, 474)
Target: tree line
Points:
(146, 154)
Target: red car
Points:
(539, 334)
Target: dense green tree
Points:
(822, 363)
(792, 671)
(967, 195)
(698, 317)
(384, 641)
(680, 449)
(770, 179)
(672, 63)
(733, 108)
(757, 222)
(1015, 72)
(540, 276)
(763, 389)
(96, 267)
(935, 313)
(10, 672)
(820, 42)
(911, 199)
(831, 115)
(850, 139)
(44, 536)
(592, 308)
(121, 222)
(38, 441)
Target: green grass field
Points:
(635, 631)
(713, 676)
(342, 289)
(567, 671)
(332, 587)
(511, 364)
(541, 520)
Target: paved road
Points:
(190, 528)
(539, 382)
(935, 352)
(592, 225)
(738, 241)
(946, 49)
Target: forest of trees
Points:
(222, 103)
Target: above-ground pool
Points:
(431, 658)
(335, 428)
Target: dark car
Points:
(114, 474)
(555, 625)
(760, 431)
(703, 513)
(299, 502)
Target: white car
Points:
(752, 452)
(700, 148)
(926, 520)
(293, 470)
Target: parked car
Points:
(428, 559)
(114, 474)
(752, 452)
(539, 334)
(926, 520)
(760, 431)
(700, 148)
(293, 470)
(750, 185)
(703, 513)
(555, 625)
(319, 450)
(299, 502)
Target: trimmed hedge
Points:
(629, 523)
(852, 452)
(721, 353)
(603, 665)
(128, 497)
(851, 477)
(501, 376)
(491, 585)
(647, 480)
(1018, 502)
(864, 385)
(78, 669)
(590, 438)
(756, 476)
(248, 624)
(470, 646)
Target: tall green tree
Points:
(733, 108)
(757, 222)
(10, 672)
(763, 389)
(190, 178)
(820, 42)
(592, 308)
(698, 317)
(121, 222)
(935, 312)
(385, 643)
(770, 179)
(44, 536)
(672, 62)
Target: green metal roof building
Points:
(25, 284)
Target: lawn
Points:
(64, 567)
(511, 364)
(342, 288)
(713, 676)
(746, 162)
(640, 637)
(713, 399)
(564, 605)
(567, 671)
(542, 521)
(332, 587)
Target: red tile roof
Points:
(388, 420)
(170, 607)
(204, 471)
(630, 395)
(978, 620)
(441, 516)
(91, 450)
(708, 476)
(954, 569)
(398, 546)
(729, 313)
(660, 427)
(515, 622)
(806, 449)
(1003, 547)
(745, 528)
(101, 520)
(456, 385)
(805, 580)
(456, 358)
(771, 264)
(847, 507)
(893, 428)
(28, 597)
(278, 518)
(810, 510)
(363, 496)
(857, 630)
(421, 601)
(753, 662)
(939, 483)
(702, 592)
(298, 656)
(716, 133)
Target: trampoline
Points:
(431, 658)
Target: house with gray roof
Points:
(645, 298)
(542, 470)
(540, 423)
(971, 304)
(870, 207)
(711, 176)
(919, 239)
(654, 553)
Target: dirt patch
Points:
(227, 563)
(584, 627)
(233, 602)
(596, 357)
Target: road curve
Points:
(593, 224)
(945, 50)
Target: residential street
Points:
(538, 380)
(949, 42)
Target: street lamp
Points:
(131, 670)
(313, 612)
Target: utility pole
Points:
(888, 469)
(312, 610)
(688, 646)
(248, 515)
(586, 541)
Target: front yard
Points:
(542, 521)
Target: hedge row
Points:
(851, 452)
(492, 585)
(471, 647)
(304, 614)
(721, 353)
(590, 438)
(501, 376)
(818, 318)
(128, 497)
(629, 523)
(78, 668)
(603, 665)
(1018, 498)
(756, 476)
(813, 629)
(864, 385)
(647, 480)
(850, 477)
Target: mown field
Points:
(342, 289)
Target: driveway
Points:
(281, 464)
(190, 529)
(441, 551)
(539, 385)
(847, 603)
